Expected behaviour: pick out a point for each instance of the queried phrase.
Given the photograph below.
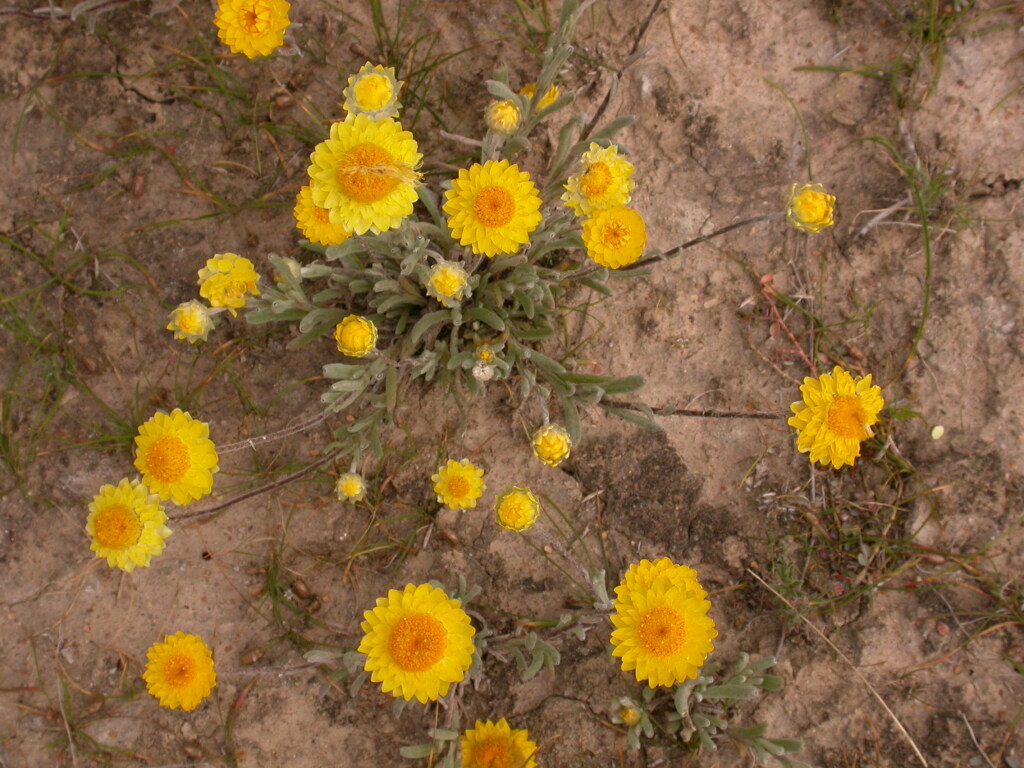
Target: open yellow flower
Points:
(126, 525)
(458, 484)
(551, 444)
(497, 745)
(493, 207)
(835, 416)
(373, 91)
(640, 576)
(604, 180)
(810, 208)
(615, 237)
(176, 457)
(417, 642)
(663, 634)
(546, 100)
(448, 282)
(365, 174)
(191, 321)
(517, 509)
(356, 336)
(179, 671)
(314, 222)
(351, 487)
(503, 116)
(252, 27)
(225, 281)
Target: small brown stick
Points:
(252, 442)
(843, 656)
(766, 292)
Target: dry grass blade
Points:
(843, 656)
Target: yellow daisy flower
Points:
(252, 27)
(603, 181)
(179, 671)
(126, 525)
(497, 745)
(226, 279)
(350, 487)
(356, 336)
(191, 321)
(503, 117)
(835, 416)
(615, 238)
(458, 484)
(517, 509)
(663, 634)
(809, 208)
(365, 174)
(493, 207)
(176, 457)
(551, 444)
(640, 576)
(448, 282)
(373, 91)
(417, 642)
(314, 222)
(548, 99)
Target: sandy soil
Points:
(126, 170)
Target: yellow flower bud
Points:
(356, 336)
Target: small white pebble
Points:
(938, 431)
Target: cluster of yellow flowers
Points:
(127, 527)
(225, 282)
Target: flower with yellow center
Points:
(640, 576)
(835, 416)
(497, 745)
(365, 174)
(615, 238)
(517, 509)
(191, 321)
(503, 116)
(226, 279)
(417, 642)
(552, 444)
(176, 457)
(493, 207)
(126, 525)
(373, 91)
(314, 222)
(179, 671)
(458, 484)
(809, 208)
(546, 101)
(356, 336)
(448, 282)
(252, 27)
(604, 180)
(350, 487)
(663, 634)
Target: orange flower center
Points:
(418, 642)
(117, 527)
(615, 235)
(596, 180)
(494, 207)
(499, 752)
(321, 215)
(367, 172)
(661, 631)
(180, 670)
(255, 20)
(458, 487)
(846, 418)
(167, 459)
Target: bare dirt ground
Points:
(136, 149)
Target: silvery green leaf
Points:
(417, 752)
(319, 656)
